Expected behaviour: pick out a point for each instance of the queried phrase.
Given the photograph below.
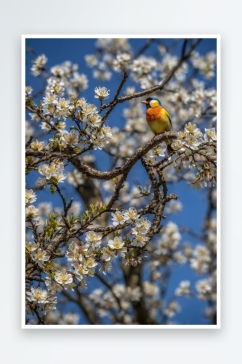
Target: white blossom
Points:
(93, 239)
(37, 295)
(117, 243)
(118, 218)
(64, 278)
(31, 212)
(40, 256)
(140, 240)
(69, 318)
(183, 289)
(30, 246)
(30, 196)
(101, 93)
(75, 178)
(203, 288)
(39, 65)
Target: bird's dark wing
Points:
(170, 122)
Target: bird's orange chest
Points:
(155, 113)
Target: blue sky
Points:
(193, 201)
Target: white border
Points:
(135, 327)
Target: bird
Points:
(158, 119)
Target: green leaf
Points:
(78, 218)
(52, 189)
(77, 149)
(92, 208)
(53, 179)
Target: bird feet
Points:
(157, 134)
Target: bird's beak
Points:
(144, 102)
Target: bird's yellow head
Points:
(151, 102)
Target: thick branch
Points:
(54, 243)
(127, 166)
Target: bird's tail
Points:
(169, 148)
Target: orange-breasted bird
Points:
(158, 119)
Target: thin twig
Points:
(143, 49)
(158, 87)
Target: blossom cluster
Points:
(198, 151)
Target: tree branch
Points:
(158, 87)
(127, 166)
(90, 315)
